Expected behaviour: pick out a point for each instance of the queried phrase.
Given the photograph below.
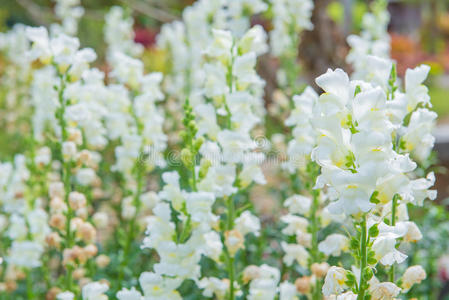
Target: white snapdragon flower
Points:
(413, 275)
(159, 288)
(298, 204)
(219, 179)
(301, 118)
(289, 15)
(172, 190)
(160, 229)
(178, 260)
(384, 244)
(65, 296)
(69, 12)
(295, 224)
(199, 206)
(213, 246)
(95, 291)
(374, 40)
(334, 282)
(119, 33)
(295, 252)
(384, 291)
(414, 89)
(214, 286)
(248, 223)
(333, 244)
(287, 291)
(418, 138)
(25, 254)
(265, 285)
(131, 294)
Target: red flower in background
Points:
(145, 36)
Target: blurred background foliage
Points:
(419, 29)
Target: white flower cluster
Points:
(69, 13)
(374, 40)
(27, 226)
(366, 164)
(119, 33)
(185, 41)
(235, 87)
(16, 73)
(290, 18)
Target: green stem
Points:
(393, 223)
(363, 259)
(231, 277)
(314, 249)
(231, 268)
(132, 224)
(29, 285)
(66, 175)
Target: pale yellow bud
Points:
(320, 270)
(233, 241)
(53, 240)
(303, 284)
(58, 221)
(102, 261)
(77, 200)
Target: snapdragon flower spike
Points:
(16, 74)
(65, 68)
(290, 18)
(364, 170)
(184, 226)
(180, 229)
(69, 13)
(373, 41)
(306, 214)
(186, 40)
(23, 223)
(119, 33)
(136, 121)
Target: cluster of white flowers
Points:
(234, 90)
(69, 13)
(16, 74)
(367, 168)
(26, 224)
(374, 40)
(290, 18)
(67, 110)
(185, 41)
(119, 34)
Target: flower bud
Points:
(79, 273)
(53, 240)
(233, 241)
(413, 275)
(303, 284)
(75, 135)
(57, 205)
(58, 221)
(52, 293)
(56, 189)
(102, 261)
(68, 150)
(320, 270)
(100, 219)
(250, 272)
(77, 200)
(86, 232)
